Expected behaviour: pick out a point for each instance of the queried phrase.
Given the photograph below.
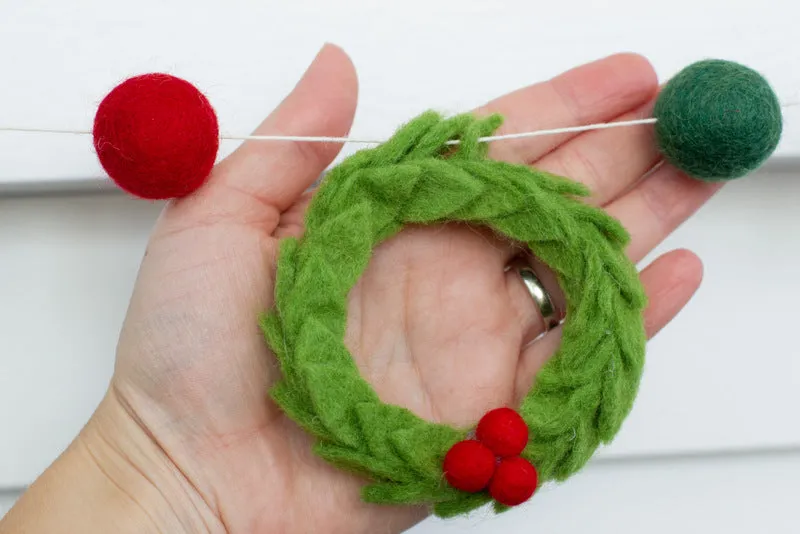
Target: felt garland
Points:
(581, 396)
(157, 136)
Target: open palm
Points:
(435, 323)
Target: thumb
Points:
(271, 175)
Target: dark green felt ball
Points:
(717, 120)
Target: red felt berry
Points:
(156, 136)
(469, 466)
(504, 431)
(514, 481)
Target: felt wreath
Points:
(580, 397)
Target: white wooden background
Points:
(714, 442)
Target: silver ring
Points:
(538, 293)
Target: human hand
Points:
(435, 324)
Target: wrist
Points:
(112, 478)
(131, 459)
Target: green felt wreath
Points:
(580, 397)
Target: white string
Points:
(44, 130)
(487, 139)
(323, 139)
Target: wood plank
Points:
(736, 495)
(724, 376)
(246, 55)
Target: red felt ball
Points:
(156, 136)
(514, 481)
(469, 466)
(504, 431)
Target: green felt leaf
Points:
(346, 246)
(273, 330)
(362, 462)
(378, 422)
(295, 403)
(329, 305)
(419, 492)
(522, 229)
(551, 183)
(317, 344)
(466, 503)
(509, 199)
(439, 193)
(287, 268)
(500, 508)
(423, 447)
(612, 230)
(430, 144)
(405, 140)
(392, 186)
(334, 392)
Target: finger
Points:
(658, 205)
(292, 222)
(609, 161)
(595, 92)
(670, 282)
(274, 174)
